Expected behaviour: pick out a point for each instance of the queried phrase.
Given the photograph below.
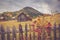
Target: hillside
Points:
(34, 14)
(27, 10)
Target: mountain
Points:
(27, 10)
(30, 11)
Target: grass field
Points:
(12, 23)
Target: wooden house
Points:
(22, 17)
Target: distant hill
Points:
(27, 10)
(30, 11)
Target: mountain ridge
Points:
(27, 10)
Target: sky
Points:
(44, 6)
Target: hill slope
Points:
(30, 11)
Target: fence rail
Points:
(49, 33)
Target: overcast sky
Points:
(44, 6)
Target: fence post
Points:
(30, 31)
(20, 32)
(14, 33)
(43, 34)
(59, 31)
(2, 33)
(26, 32)
(49, 29)
(49, 32)
(8, 33)
(39, 32)
(55, 31)
(33, 27)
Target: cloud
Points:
(13, 5)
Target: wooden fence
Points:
(30, 33)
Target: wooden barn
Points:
(22, 17)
